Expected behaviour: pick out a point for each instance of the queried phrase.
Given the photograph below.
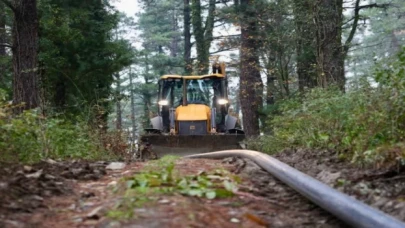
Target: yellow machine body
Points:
(192, 115)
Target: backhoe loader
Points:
(193, 116)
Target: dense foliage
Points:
(365, 125)
(31, 137)
(79, 55)
(79, 51)
(293, 61)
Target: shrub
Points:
(366, 125)
(31, 137)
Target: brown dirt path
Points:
(261, 201)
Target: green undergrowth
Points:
(365, 125)
(31, 137)
(161, 178)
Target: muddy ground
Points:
(382, 188)
(80, 194)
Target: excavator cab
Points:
(194, 105)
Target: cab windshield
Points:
(203, 91)
(198, 91)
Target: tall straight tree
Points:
(25, 53)
(132, 94)
(188, 68)
(251, 85)
(2, 41)
(305, 44)
(203, 33)
(79, 55)
(118, 124)
(328, 18)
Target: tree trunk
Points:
(198, 31)
(174, 42)
(118, 102)
(147, 97)
(251, 86)
(188, 68)
(132, 94)
(306, 50)
(146, 110)
(60, 93)
(271, 89)
(25, 55)
(3, 41)
(202, 35)
(330, 51)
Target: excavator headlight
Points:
(222, 101)
(163, 102)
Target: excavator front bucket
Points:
(181, 145)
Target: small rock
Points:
(328, 177)
(232, 212)
(76, 171)
(91, 223)
(14, 223)
(389, 204)
(116, 165)
(36, 197)
(28, 168)
(34, 175)
(77, 219)
(110, 224)
(95, 213)
(229, 160)
(49, 177)
(400, 205)
(72, 207)
(235, 220)
(140, 210)
(112, 183)
(52, 162)
(88, 204)
(164, 201)
(3, 185)
(126, 172)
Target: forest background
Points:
(78, 78)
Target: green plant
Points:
(365, 125)
(217, 184)
(144, 187)
(31, 137)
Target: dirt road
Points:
(82, 194)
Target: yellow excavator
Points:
(193, 116)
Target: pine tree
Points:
(25, 53)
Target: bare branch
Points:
(225, 37)
(356, 18)
(221, 50)
(6, 45)
(375, 5)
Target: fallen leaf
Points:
(256, 219)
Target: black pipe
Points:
(346, 208)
